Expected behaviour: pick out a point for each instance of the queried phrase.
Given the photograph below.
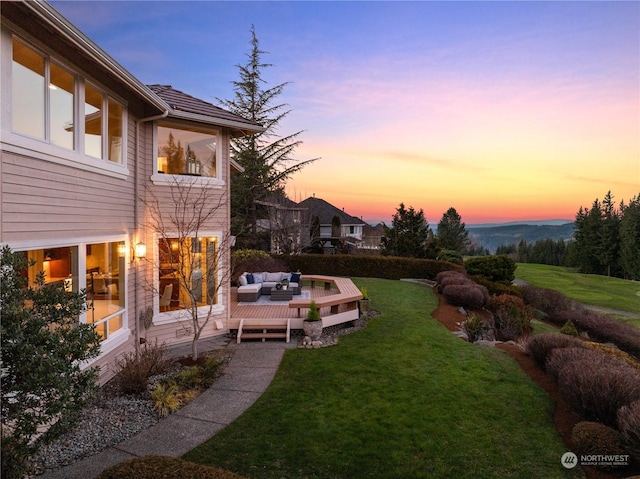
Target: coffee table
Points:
(281, 294)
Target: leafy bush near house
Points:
(511, 316)
(136, 367)
(541, 345)
(595, 438)
(469, 296)
(385, 267)
(596, 389)
(154, 467)
(629, 427)
(500, 269)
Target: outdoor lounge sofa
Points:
(252, 285)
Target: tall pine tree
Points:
(630, 239)
(407, 235)
(452, 234)
(267, 158)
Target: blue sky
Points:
(503, 110)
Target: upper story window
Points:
(46, 105)
(183, 151)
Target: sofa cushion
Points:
(249, 288)
(242, 280)
(273, 277)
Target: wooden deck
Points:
(269, 313)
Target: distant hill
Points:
(503, 235)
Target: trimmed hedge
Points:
(629, 427)
(541, 345)
(469, 296)
(512, 317)
(595, 438)
(500, 269)
(384, 267)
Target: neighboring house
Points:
(287, 224)
(86, 149)
(350, 236)
(372, 237)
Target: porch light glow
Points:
(140, 250)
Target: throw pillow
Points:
(295, 277)
(250, 279)
(258, 277)
(242, 280)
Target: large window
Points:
(46, 106)
(105, 286)
(187, 152)
(187, 272)
(103, 280)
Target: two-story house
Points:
(92, 163)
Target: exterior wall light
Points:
(140, 250)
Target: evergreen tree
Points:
(630, 239)
(609, 236)
(407, 235)
(267, 158)
(451, 231)
(587, 237)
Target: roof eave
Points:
(50, 16)
(241, 128)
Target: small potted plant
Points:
(312, 324)
(364, 302)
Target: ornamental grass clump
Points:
(136, 367)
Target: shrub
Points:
(449, 278)
(166, 398)
(595, 438)
(629, 426)
(475, 327)
(548, 301)
(596, 389)
(150, 467)
(540, 345)
(469, 296)
(451, 256)
(500, 269)
(560, 357)
(512, 317)
(136, 367)
(498, 288)
(569, 329)
(613, 351)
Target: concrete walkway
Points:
(245, 378)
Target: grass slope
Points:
(591, 289)
(403, 398)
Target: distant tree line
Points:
(411, 236)
(606, 241)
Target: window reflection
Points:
(61, 91)
(115, 132)
(28, 92)
(184, 152)
(92, 122)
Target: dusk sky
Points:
(504, 110)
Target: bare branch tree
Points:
(184, 216)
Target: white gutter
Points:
(245, 128)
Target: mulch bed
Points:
(563, 417)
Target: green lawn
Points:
(614, 293)
(403, 398)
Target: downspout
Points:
(138, 228)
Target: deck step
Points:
(264, 329)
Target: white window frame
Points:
(180, 315)
(122, 335)
(43, 149)
(193, 181)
